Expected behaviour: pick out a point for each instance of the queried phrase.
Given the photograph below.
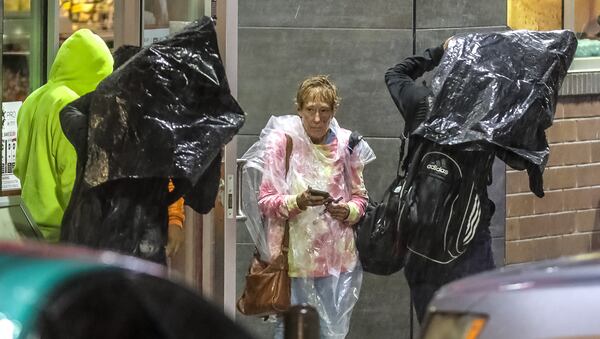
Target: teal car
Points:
(51, 292)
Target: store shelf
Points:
(23, 53)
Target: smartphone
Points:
(318, 193)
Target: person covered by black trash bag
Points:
(493, 94)
(164, 115)
(74, 121)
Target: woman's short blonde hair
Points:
(317, 87)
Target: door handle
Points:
(239, 214)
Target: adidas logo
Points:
(438, 169)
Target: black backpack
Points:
(380, 244)
(444, 199)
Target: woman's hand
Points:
(306, 199)
(339, 211)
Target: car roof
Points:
(565, 271)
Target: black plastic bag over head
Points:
(166, 113)
(163, 115)
(501, 88)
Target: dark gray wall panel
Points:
(242, 235)
(273, 61)
(382, 310)
(498, 250)
(331, 13)
(434, 37)
(380, 173)
(244, 142)
(460, 13)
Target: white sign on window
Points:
(154, 35)
(9, 145)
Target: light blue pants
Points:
(333, 297)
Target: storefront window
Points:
(22, 72)
(586, 16)
(582, 17)
(540, 15)
(96, 15)
(16, 50)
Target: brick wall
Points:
(567, 220)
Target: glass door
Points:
(208, 259)
(197, 259)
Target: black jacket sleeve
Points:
(408, 96)
(74, 122)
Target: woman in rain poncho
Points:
(323, 263)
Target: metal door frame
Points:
(219, 231)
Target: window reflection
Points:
(96, 15)
(540, 15)
(162, 17)
(550, 14)
(156, 14)
(16, 49)
(587, 27)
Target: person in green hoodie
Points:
(46, 160)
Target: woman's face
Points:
(316, 116)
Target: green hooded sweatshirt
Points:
(46, 160)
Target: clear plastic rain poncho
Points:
(319, 246)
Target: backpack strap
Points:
(402, 165)
(422, 112)
(355, 138)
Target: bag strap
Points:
(403, 139)
(403, 165)
(288, 152)
(354, 139)
(286, 234)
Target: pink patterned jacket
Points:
(319, 245)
